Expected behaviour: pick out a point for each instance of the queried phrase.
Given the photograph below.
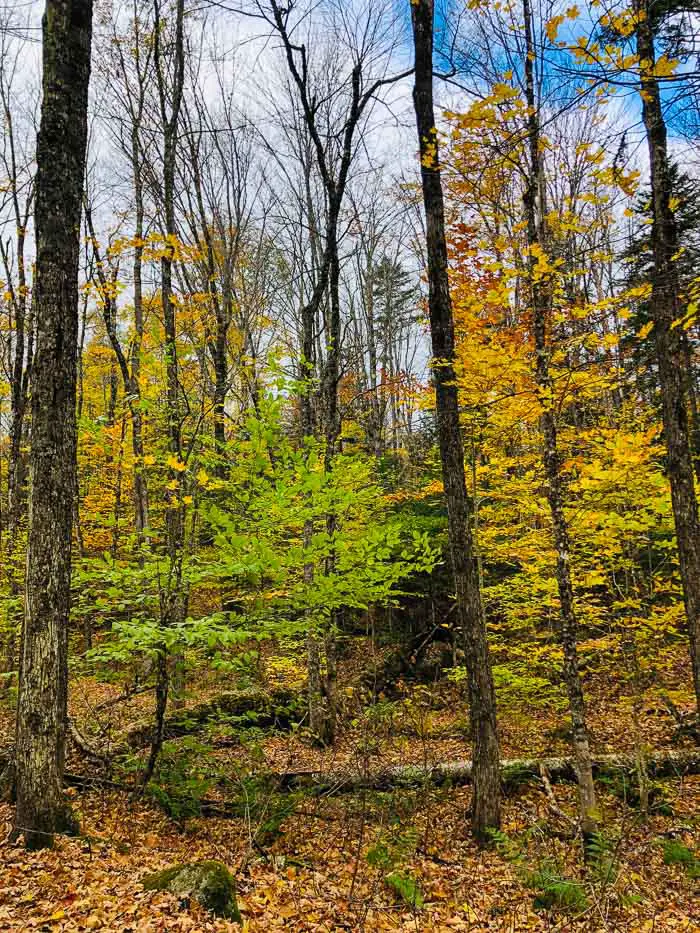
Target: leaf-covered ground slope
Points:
(367, 861)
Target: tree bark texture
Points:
(41, 711)
(486, 807)
(541, 308)
(665, 309)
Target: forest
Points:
(349, 465)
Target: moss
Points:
(209, 882)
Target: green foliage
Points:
(407, 888)
(380, 717)
(602, 858)
(675, 853)
(256, 523)
(509, 848)
(268, 521)
(255, 799)
(389, 853)
(553, 890)
(518, 685)
(625, 786)
(515, 776)
(184, 776)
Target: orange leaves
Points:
(552, 27)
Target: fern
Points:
(602, 858)
(554, 891)
(675, 853)
(509, 849)
(407, 888)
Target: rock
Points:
(210, 883)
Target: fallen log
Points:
(82, 743)
(514, 771)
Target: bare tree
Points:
(333, 113)
(170, 80)
(16, 158)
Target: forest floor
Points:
(366, 861)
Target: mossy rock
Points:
(210, 883)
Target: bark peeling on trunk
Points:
(486, 806)
(41, 709)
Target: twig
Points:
(553, 805)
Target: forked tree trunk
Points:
(487, 793)
(665, 309)
(41, 710)
(541, 309)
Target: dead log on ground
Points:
(514, 771)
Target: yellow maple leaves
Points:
(176, 464)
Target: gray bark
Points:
(665, 309)
(41, 710)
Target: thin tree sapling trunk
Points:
(541, 309)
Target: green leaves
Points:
(407, 888)
(298, 539)
(284, 542)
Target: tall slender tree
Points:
(334, 154)
(665, 312)
(482, 699)
(173, 598)
(61, 144)
(541, 298)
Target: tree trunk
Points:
(541, 307)
(172, 601)
(19, 380)
(514, 772)
(665, 309)
(486, 807)
(41, 710)
(141, 519)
